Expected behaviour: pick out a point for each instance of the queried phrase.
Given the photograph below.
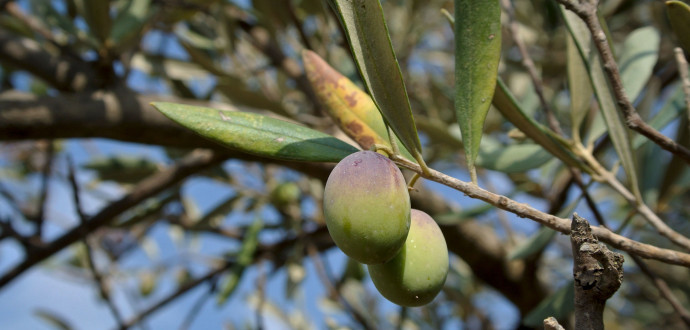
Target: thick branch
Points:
(120, 114)
(598, 274)
(62, 72)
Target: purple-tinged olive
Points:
(367, 207)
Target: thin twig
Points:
(178, 293)
(196, 308)
(102, 287)
(191, 164)
(531, 69)
(32, 22)
(328, 283)
(551, 221)
(261, 288)
(587, 11)
(664, 290)
(45, 180)
(685, 79)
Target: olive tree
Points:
(548, 139)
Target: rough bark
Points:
(64, 72)
(598, 274)
(119, 114)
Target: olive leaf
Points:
(477, 53)
(350, 107)
(679, 15)
(367, 34)
(258, 134)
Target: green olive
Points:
(416, 275)
(367, 207)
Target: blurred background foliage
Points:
(77, 75)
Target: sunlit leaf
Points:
(477, 53)
(242, 261)
(367, 34)
(351, 108)
(638, 57)
(679, 15)
(257, 134)
(558, 305)
(614, 121)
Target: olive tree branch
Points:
(587, 11)
(658, 282)
(559, 224)
(191, 164)
(97, 276)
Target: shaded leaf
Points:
(672, 108)
(477, 53)
(129, 23)
(638, 57)
(97, 16)
(235, 89)
(243, 260)
(257, 134)
(580, 88)
(614, 121)
(351, 108)
(122, 169)
(367, 34)
(505, 103)
(679, 15)
(558, 305)
(511, 158)
(542, 238)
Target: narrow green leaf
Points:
(534, 244)
(97, 16)
(122, 169)
(511, 158)
(506, 104)
(638, 57)
(679, 15)
(543, 237)
(580, 88)
(674, 107)
(243, 260)
(558, 305)
(129, 23)
(257, 134)
(371, 46)
(477, 53)
(614, 122)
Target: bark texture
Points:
(598, 274)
